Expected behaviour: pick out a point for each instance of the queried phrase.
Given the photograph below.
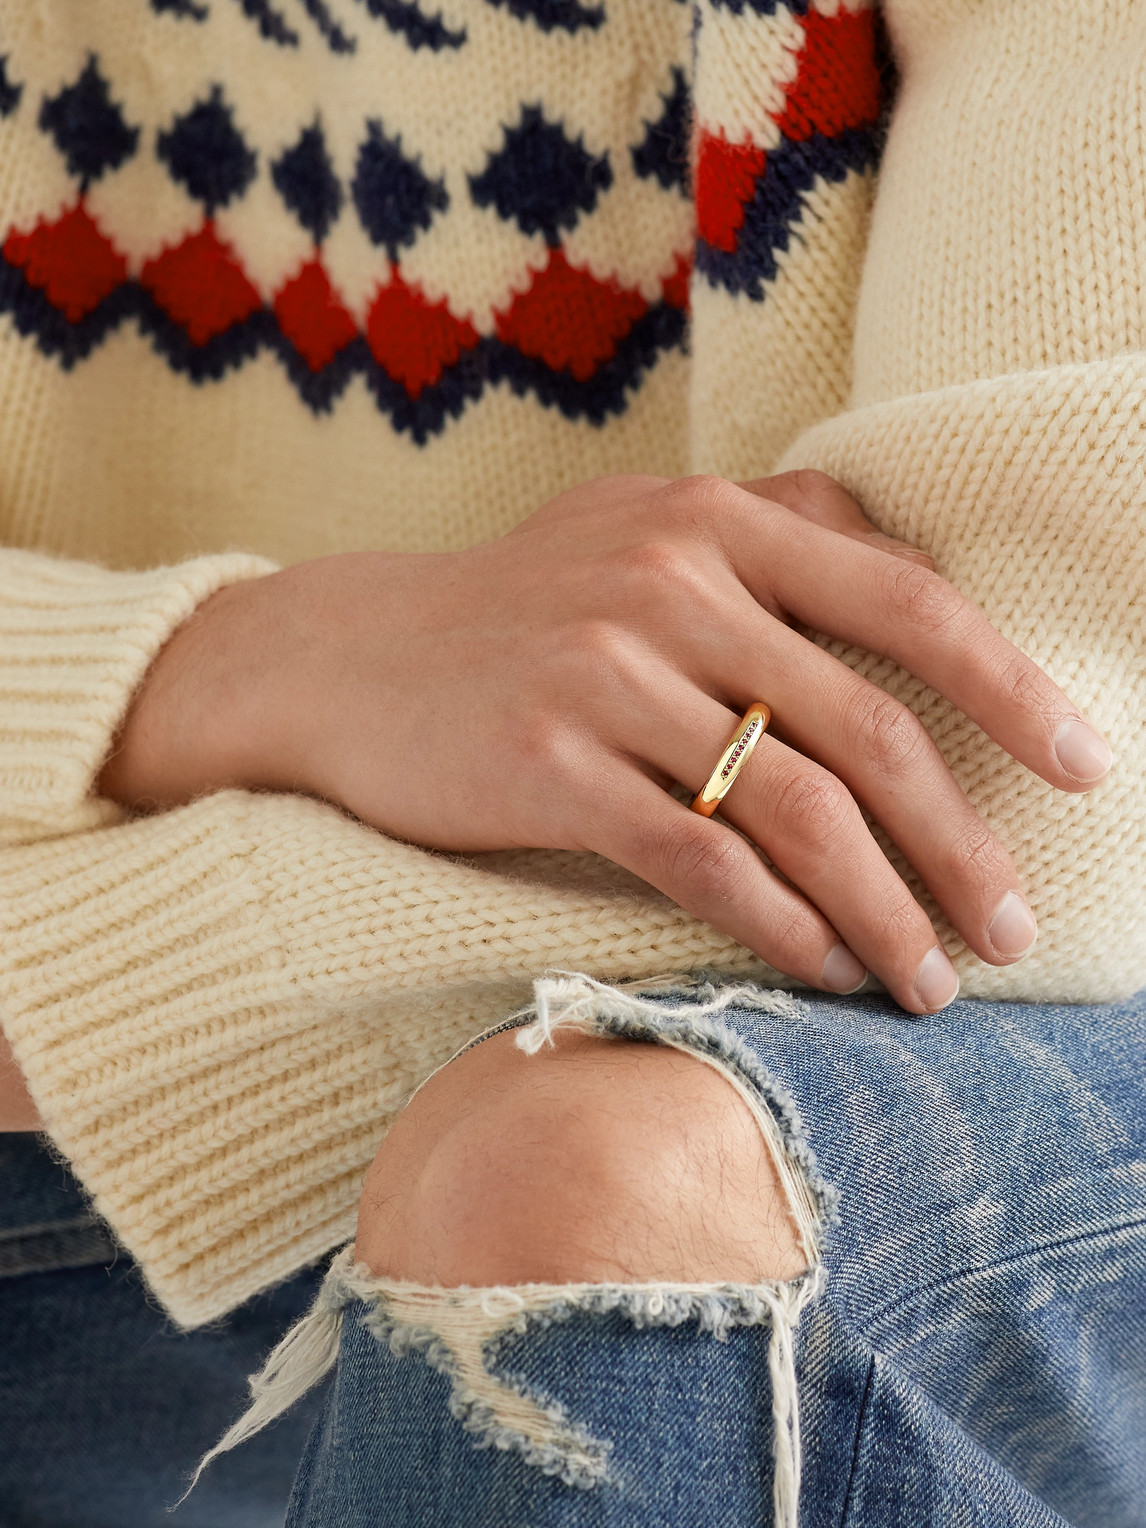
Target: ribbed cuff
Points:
(219, 1009)
(75, 642)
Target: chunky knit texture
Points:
(283, 279)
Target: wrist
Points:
(192, 723)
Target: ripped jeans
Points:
(967, 1348)
(968, 1345)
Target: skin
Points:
(542, 690)
(630, 1162)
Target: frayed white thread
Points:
(455, 1336)
(567, 1000)
(786, 1303)
(455, 1329)
(305, 1355)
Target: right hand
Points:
(543, 689)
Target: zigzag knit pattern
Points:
(564, 333)
(750, 190)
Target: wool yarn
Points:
(278, 280)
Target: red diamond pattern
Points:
(726, 176)
(838, 84)
(312, 317)
(837, 87)
(412, 339)
(201, 285)
(569, 319)
(71, 261)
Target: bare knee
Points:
(597, 1161)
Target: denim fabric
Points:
(977, 1355)
(104, 1407)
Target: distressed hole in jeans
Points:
(460, 1332)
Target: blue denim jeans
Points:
(968, 1348)
(971, 1351)
(105, 1408)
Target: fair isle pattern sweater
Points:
(284, 277)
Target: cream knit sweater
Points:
(274, 288)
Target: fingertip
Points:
(843, 972)
(1083, 754)
(936, 981)
(1012, 930)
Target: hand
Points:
(543, 689)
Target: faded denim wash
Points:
(972, 1350)
(976, 1355)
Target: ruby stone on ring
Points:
(749, 731)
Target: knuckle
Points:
(811, 486)
(815, 807)
(1021, 684)
(705, 499)
(709, 862)
(654, 565)
(898, 924)
(891, 737)
(975, 853)
(544, 745)
(920, 598)
(797, 935)
(600, 646)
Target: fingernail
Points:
(842, 971)
(1012, 930)
(1082, 753)
(936, 981)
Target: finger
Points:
(891, 765)
(808, 824)
(821, 500)
(712, 873)
(911, 615)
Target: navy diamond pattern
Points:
(205, 152)
(88, 127)
(393, 194)
(304, 177)
(663, 154)
(336, 39)
(541, 178)
(762, 7)
(573, 340)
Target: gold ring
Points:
(749, 730)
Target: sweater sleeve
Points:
(75, 641)
(220, 1008)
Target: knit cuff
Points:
(75, 642)
(219, 1009)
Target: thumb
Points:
(823, 501)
